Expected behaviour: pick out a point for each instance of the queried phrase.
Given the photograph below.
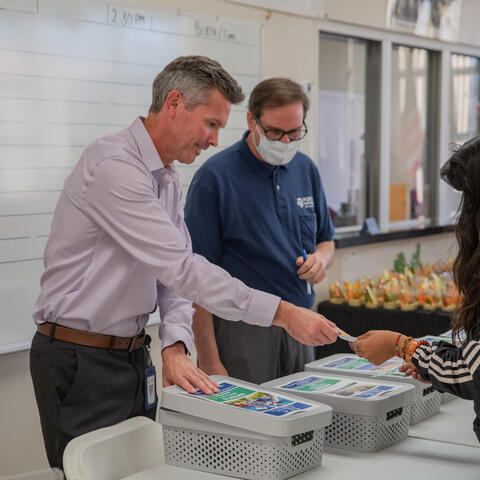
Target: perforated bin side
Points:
(280, 458)
(447, 397)
(427, 403)
(367, 433)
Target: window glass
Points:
(410, 182)
(341, 126)
(464, 113)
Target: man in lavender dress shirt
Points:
(119, 247)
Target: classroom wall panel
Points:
(84, 70)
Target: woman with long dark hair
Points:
(449, 368)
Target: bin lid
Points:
(345, 394)
(250, 407)
(352, 365)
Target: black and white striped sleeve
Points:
(449, 368)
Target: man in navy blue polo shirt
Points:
(253, 209)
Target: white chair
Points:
(115, 452)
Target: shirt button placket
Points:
(276, 187)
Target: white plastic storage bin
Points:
(446, 397)
(368, 415)
(243, 442)
(427, 399)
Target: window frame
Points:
(438, 121)
(372, 49)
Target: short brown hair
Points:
(276, 92)
(194, 77)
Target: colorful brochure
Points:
(433, 338)
(390, 367)
(345, 387)
(253, 400)
(447, 336)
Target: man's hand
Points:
(305, 325)
(376, 346)
(313, 269)
(177, 369)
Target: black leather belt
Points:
(91, 339)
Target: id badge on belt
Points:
(151, 398)
(150, 382)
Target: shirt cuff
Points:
(327, 238)
(416, 360)
(171, 334)
(262, 309)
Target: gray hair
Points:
(194, 77)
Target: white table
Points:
(452, 424)
(412, 457)
(432, 456)
(167, 472)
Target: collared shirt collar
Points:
(261, 168)
(148, 152)
(150, 157)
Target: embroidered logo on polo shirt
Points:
(305, 202)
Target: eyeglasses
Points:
(277, 134)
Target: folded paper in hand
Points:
(345, 336)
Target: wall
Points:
(369, 13)
(291, 49)
(373, 13)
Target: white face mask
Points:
(275, 152)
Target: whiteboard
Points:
(71, 72)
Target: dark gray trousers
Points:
(79, 389)
(259, 354)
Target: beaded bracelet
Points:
(404, 346)
(413, 346)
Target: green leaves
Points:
(400, 263)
